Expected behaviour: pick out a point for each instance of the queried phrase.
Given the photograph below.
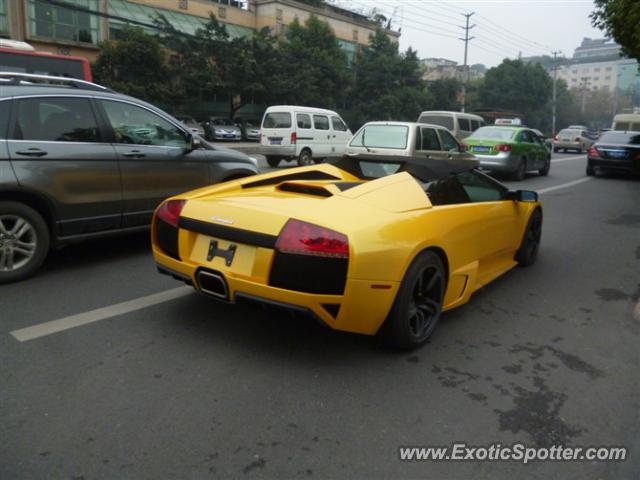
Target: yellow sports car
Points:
(368, 244)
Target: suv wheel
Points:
(273, 161)
(305, 159)
(24, 241)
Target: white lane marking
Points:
(55, 326)
(567, 159)
(565, 185)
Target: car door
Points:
(341, 135)
(305, 134)
(428, 144)
(323, 135)
(153, 159)
(57, 149)
(450, 146)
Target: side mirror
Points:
(193, 143)
(463, 148)
(523, 196)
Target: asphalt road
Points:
(189, 388)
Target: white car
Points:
(305, 134)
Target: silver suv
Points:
(79, 161)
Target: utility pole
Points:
(553, 102)
(465, 72)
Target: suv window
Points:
(321, 122)
(136, 125)
(442, 120)
(53, 119)
(449, 144)
(429, 139)
(338, 124)
(475, 124)
(4, 118)
(480, 188)
(464, 124)
(304, 120)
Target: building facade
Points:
(75, 27)
(439, 68)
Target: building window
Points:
(4, 24)
(608, 69)
(585, 70)
(222, 12)
(596, 78)
(279, 14)
(355, 34)
(575, 72)
(183, 4)
(280, 29)
(605, 88)
(608, 77)
(597, 69)
(73, 23)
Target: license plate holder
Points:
(481, 149)
(227, 255)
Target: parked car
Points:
(250, 129)
(221, 128)
(461, 125)
(512, 150)
(572, 139)
(305, 134)
(615, 151)
(407, 139)
(192, 124)
(80, 161)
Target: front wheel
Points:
(418, 304)
(273, 161)
(528, 251)
(24, 241)
(305, 159)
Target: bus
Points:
(21, 57)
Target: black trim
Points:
(309, 274)
(332, 309)
(282, 305)
(310, 175)
(304, 138)
(175, 275)
(316, 191)
(342, 186)
(232, 234)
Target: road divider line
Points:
(92, 316)
(568, 159)
(565, 185)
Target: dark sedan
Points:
(615, 151)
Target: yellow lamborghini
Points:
(368, 244)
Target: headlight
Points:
(254, 161)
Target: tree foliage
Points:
(621, 20)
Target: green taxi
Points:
(513, 150)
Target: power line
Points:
(466, 40)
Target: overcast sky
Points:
(503, 28)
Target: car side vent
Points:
(309, 175)
(317, 191)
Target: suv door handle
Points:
(32, 152)
(134, 154)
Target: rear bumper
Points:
(279, 150)
(359, 310)
(632, 166)
(502, 162)
(568, 145)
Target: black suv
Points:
(78, 160)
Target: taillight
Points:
(593, 152)
(294, 137)
(502, 148)
(556, 138)
(304, 238)
(170, 210)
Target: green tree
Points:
(388, 85)
(621, 20)
(444, 93)
(521, 87)
(135, 65)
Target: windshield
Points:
(277, 120)
(493, 133)
(629, 138)
(381, 136)
(442, 120)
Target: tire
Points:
(544, 171)
(407, 326)
(591, 172)
(555, 150)
(24, 241)
(305, 159)
(519, 174)
(273, 161)
(528, 251)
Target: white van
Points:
(460, 124)
(305, 134)
(626, 121)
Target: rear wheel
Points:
(273, 161)
(305, 159)
(591, 172)
(520, 170)
(24, 241)
(418, 304)
(528, 251)
(555, 150)
(544, 171)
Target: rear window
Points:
(493, 133)
(464, 124)
(442, 120)
(277, 120)
(622, 126)
(567, 132)
(620, 137)
(382, 136)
